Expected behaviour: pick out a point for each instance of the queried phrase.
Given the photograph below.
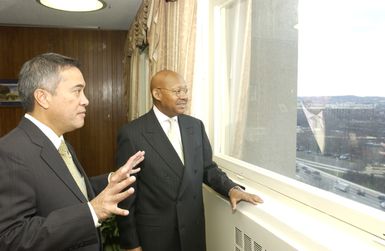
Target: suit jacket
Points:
(41, 206)
(166, 211)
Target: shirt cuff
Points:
(94, 216)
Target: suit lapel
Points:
(156, 137)
(187, 135)
(51, 157)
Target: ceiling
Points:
(118, 15)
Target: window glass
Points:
(341, 101)
(299, 90)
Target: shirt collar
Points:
(51, 135)
(161, 116)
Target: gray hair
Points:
(42, 71)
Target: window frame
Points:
(361, 216)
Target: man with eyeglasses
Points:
(166, 213)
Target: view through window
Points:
(341, 102)
(308, 102)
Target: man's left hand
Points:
(237, 194)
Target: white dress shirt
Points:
(172, 132)
(164, 121)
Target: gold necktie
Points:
(79, 179)
(175, 139)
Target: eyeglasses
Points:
(177, 92)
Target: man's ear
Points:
(42, 98)
(156, 94)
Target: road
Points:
(312, 173)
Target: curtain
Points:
(135, 45)
(239, 79)
(202, 67)
(171, 38)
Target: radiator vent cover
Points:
(238, 237)
(257, 247)
(243, 242)
(247, 243)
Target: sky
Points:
(341, 47)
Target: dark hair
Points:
(42, 71)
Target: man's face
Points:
(67, 108)
(173, 96)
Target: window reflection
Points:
(349, 159)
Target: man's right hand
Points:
(106, 203)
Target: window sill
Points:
(305, 212)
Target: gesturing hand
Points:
(106, 203)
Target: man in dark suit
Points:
(166, 212)
(46, 200)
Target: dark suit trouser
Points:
(160, 240)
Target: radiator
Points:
(235, 231)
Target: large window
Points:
(299, 91)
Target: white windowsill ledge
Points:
(304, 227)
